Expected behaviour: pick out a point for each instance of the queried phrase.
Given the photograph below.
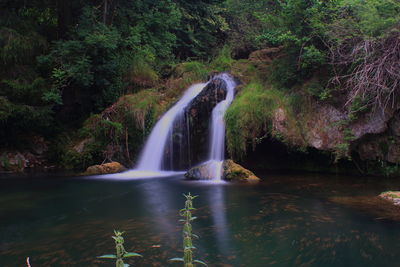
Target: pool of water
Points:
(287, 220)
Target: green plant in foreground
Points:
(188, 247)
(121, 253)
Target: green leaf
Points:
(176, 259)
(195, 236)
(107, 256)
(132, 254)
(201, 262)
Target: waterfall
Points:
(217, 129)
(151, 158)
(174, 126)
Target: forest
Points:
(63, 63)
(222, 132)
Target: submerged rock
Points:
(392, 196)
(231, 171)
(107, 168)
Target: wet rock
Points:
(201, 172)
(107, 168)
(19, 161)
(231, 171)
(320, 131)
(324, 132)
(323, 126)
(392, 196)
(198, 121)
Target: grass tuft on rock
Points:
(250, 116)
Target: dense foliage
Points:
(62, 61)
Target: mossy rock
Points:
(392, 196)
(231, 171)
(107, 168)
(235, 172)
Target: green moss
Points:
(392, 195)
(358, 107)
(197, 70)
(223, 61)
(141, 73)
(249, 116)
(5, 163)
(71, 159)
(118, 132)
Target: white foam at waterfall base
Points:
(137, 174)
(217, 129)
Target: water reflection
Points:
(136, 174)
(156, 198)
(217, 205)
(289, 221)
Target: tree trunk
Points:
(64, 15)
(105, 11)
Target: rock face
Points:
(199, 115)
(374, 136)
(392, 196)
(265, 55)
(34, 157)
(231, 171)
(190, 147)
(107, 168)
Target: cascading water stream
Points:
(175, 122)
(153, 152)
(217, 133)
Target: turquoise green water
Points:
(288, 220)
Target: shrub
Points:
(223, 61)
(188, 247)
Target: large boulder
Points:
(107, 168)
(231, 171)
(199, 115)
(191, 130)
(201, 172)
